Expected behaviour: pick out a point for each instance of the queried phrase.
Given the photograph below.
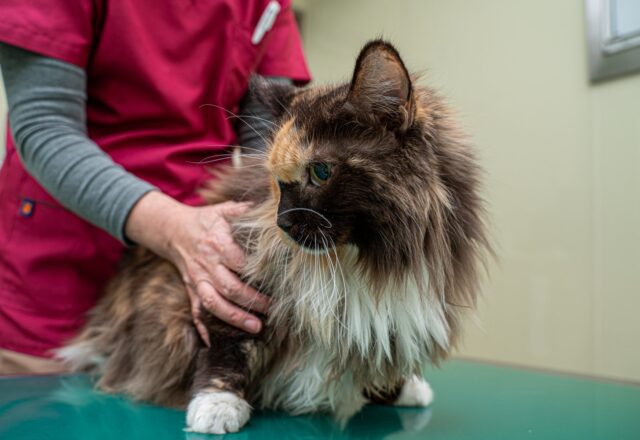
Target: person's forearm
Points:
(47, 120)
(152, 219)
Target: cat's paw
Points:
(415, 392)
(217, 412)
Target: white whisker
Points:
(241, 118)
(308, 210)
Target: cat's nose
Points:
(285, 224)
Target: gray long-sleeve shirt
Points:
(47, 117)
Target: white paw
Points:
(217, 412)
(415, 392)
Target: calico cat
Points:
(367, 231)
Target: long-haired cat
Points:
(366, 229)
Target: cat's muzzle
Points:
(309, 237)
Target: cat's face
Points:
(347, 161)
(379, 165)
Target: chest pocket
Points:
(57, 262)
(245, 56)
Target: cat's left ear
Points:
(381, 87)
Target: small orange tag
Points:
(27, 207)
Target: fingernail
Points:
(252, 325)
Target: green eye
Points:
(319, 173)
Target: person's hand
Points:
(199, 243)
(203, 249)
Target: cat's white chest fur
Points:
(338, 325)
(301, 384)
(307, 389)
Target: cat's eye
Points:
(319, 173)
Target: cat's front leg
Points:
(218, 403)
(413, 391)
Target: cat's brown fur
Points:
(400, 227)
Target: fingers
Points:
(208, 255)
(230, 252)
(226, 311)
(232, 288)
(233, 209)
(195, 313)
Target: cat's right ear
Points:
(381, 89)
(274, 94)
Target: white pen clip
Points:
(266, 21)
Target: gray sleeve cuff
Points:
(125, 205)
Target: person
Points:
(115, 110)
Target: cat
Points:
(366, 229)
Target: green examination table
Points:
(473, 401)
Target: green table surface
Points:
(473, 401)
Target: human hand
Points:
(198, 241)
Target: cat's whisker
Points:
(229, 158)
(306, 268)
(338, 264)
(326, 330)
(284, 107)
(329, 224)
(269, 130)
(258, 151)
(241, 118)
(335, 293)
(336, 289)
(225, 147)
(228, 155)
(344, 283)
(253, 116)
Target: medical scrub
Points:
(162, 77)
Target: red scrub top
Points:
(151, 65)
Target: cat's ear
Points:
(274, 94)
(381, 87)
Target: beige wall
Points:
(562, 160)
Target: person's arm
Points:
(47, 119)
